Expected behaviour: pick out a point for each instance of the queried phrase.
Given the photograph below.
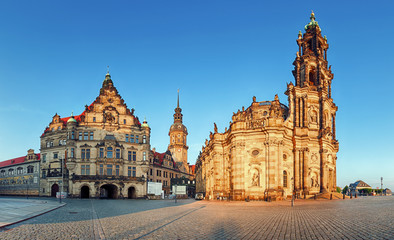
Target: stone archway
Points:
(109, 191)
(54, 190)
(85, 192)
(131, 193)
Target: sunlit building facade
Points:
(272, 150)
(102, 152)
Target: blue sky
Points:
(53, 58)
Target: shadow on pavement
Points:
(82, 209)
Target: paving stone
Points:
(361, 218)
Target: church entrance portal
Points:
(85, 192)
(131, 193)
(54, 190)
(109, 191)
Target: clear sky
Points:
(54, 57)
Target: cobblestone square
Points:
(361, 218)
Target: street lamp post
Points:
(381, 185)
(62, 183)
(176, 188)
(27, 189)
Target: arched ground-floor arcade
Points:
(107, 189)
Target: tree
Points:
(345, 189)
(338, 189)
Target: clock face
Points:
(179, 150)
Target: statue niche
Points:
(255, 178)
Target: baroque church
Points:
(271, 150)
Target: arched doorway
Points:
(131, 193)
(85, 192)
(109, 191)
(54, 190)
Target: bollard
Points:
(355, 195)
(351, 195)
(331, 196)
(343, 196)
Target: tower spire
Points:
(178, 100)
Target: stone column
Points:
(306, 167)
(296, 170)
(305, 124)
(323, 177)
(297, 112)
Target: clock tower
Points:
(178, 135)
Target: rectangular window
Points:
(124, 121)
(87, 153)
(132, 138)
(136, 139)
(72, 135)
(91, 135)
(129, 171)
(72, 153)
(144, 156)
(129, 155)
(82, 169)
(127, 137)
(117, 153)
(109, 170)
(134, 156)
(109, 152)
(144, 139)
(134, 171)
(101, 152)
(94, 119)
(80, 136)
(44, 157)
(55, 155)
(151, 172)
(86, 136)
(117, 170)
(82, 153)
(87, 169)
(101, 169)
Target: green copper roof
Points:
(312, 23)
(72, 119)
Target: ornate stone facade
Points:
(102, 152)
(271, 150)
(20, 176)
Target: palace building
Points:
(21, 176)
(103, 152)
(271, 150)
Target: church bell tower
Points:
(312, 113)
(178, 135)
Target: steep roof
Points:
(15, 161)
